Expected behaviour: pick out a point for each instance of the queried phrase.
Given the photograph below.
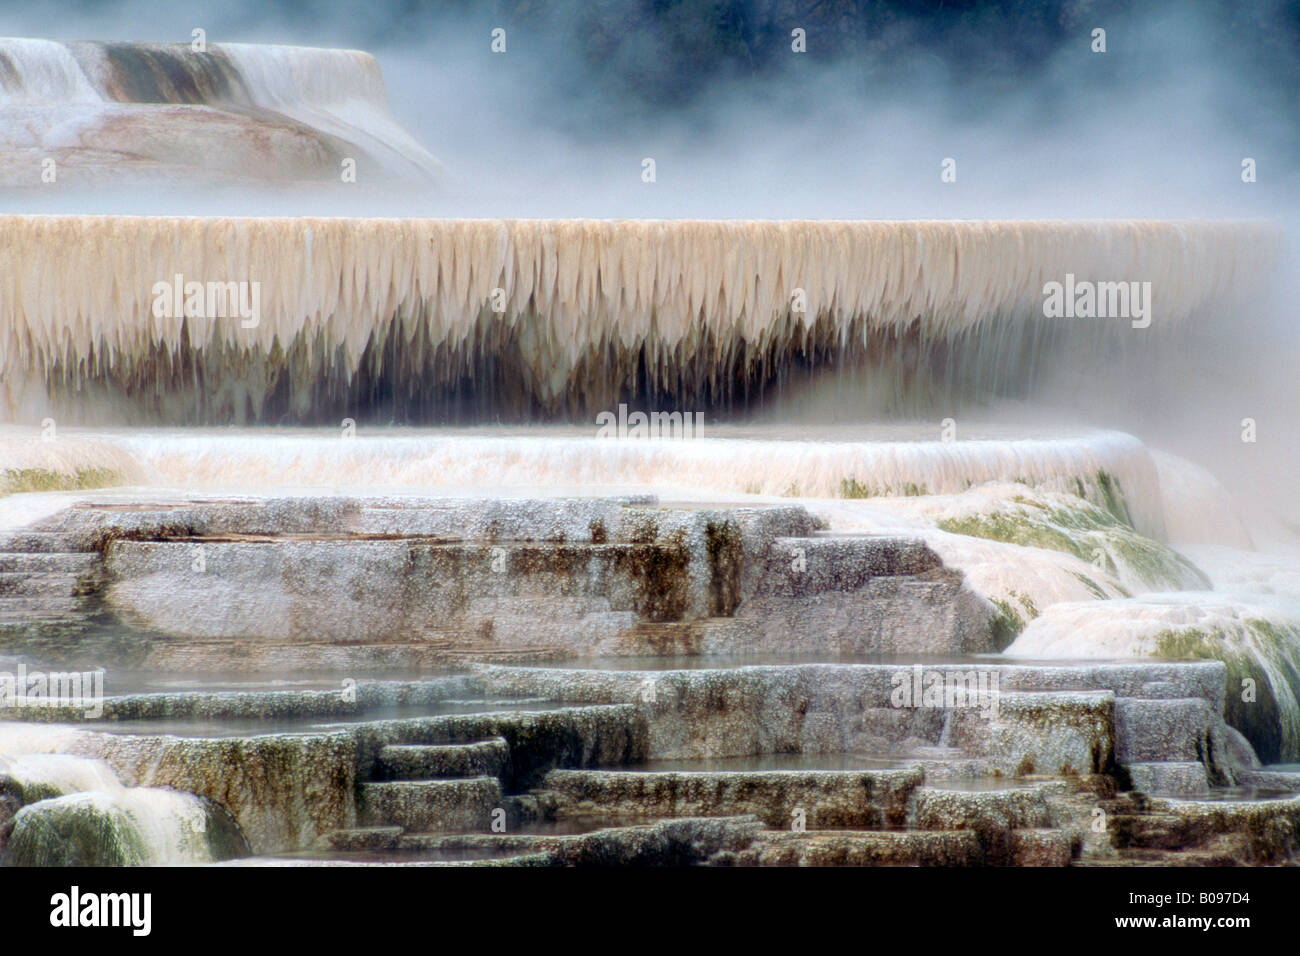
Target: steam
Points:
(1156, 127)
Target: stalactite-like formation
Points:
(571, 312)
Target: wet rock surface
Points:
(581, 783)
(94, 829)
(651, 746)
(328, 581)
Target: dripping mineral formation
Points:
(542, 637)
(550, 318)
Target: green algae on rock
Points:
(1101, 535)
(1258, 643)
(17, 480)
(64, 464)
(129, 828)
(1263, 661)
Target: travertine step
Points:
(364, 838)
(676, 842)
(39, 607)
(1229, 850)
(1157, 831)
(818, 798)
(1017, 808)
(41, 587)
(68, 562)
(1264, 779)
(37, 584)
(1173, 778)
(841, 563)
(487, 758)
(1030, 847)
(860, 848)
(39, 542)
(1057, 732)
(33, 619)
(1161, 731)
(431, 805)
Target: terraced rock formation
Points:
(617, 682)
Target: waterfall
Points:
(156, 315)
(74, 810)
(34, 72)
(230, 113)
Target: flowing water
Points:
(898, 379)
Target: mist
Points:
(1158, 126)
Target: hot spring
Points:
(581, 541)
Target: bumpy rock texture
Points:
(321, 583)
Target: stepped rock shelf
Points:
(608, 681)
(855, 636)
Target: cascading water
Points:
(233, 113)
(862, 462)
(382, 445)
(57, 809)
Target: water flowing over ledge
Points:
(831, 463)
(239, 113)
(554, 316)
